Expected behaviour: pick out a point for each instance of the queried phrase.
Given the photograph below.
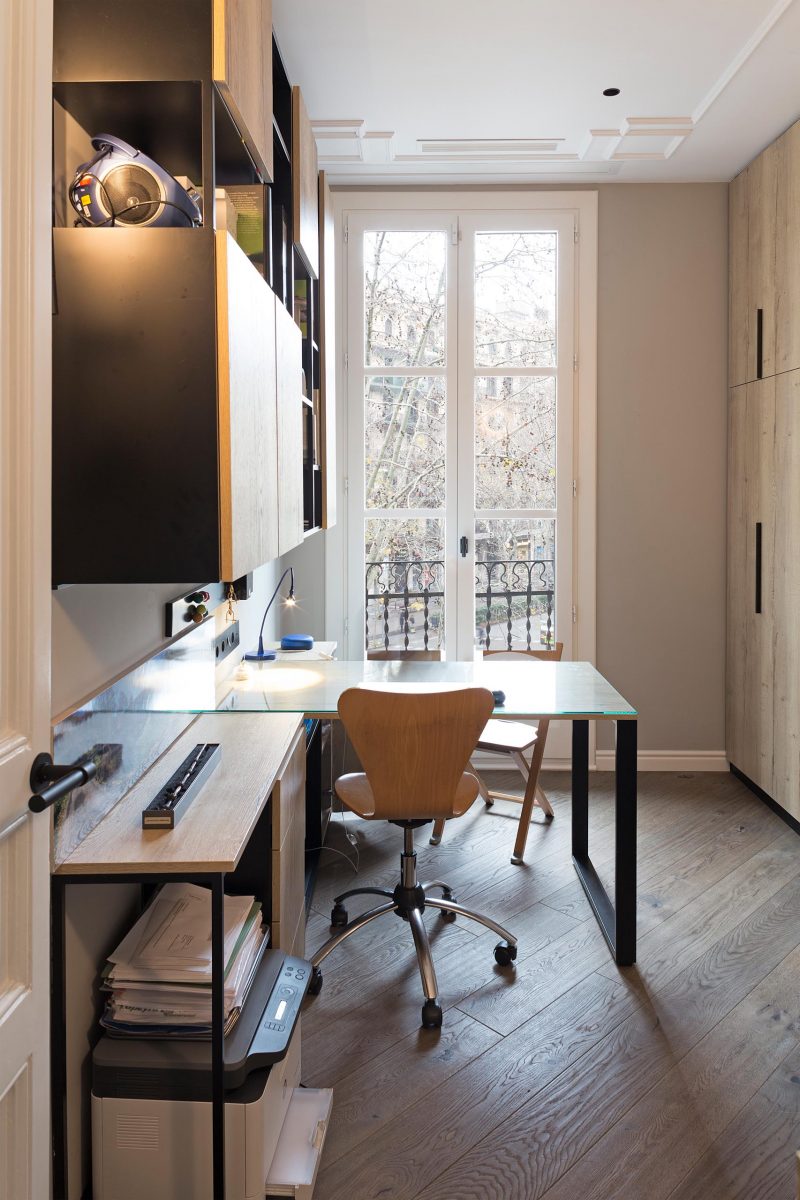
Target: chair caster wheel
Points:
(504, 954)
(431, 1015)
(445, 915)
(338, 916)
(315, 984)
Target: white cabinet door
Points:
(25, 318)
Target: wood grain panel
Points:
(305, 186)
(327, 351)
(242, 69)
(288, 358)
(762, 181)
(750, 650)
(289, 791)
(288, 847)
(248, 421)
(786, 595)
(212, 833)
(787, 252)
(739, 305)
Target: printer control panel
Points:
(281, 1011)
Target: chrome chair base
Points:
(409, 900)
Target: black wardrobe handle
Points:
(759, 343)
(758, 566)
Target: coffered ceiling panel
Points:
(461, 91)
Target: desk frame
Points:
(58, 1069)
(617, 920)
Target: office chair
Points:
(415, 746)
(513, 738)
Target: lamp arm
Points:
(288, 571)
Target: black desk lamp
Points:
(262, 655)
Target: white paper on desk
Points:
(174, 933)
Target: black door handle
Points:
(49, 781)
(758, 566)
(464, 547)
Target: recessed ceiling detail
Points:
(517, 99)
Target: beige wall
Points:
(662, 395)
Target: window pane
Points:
(515, 584)
(515, 299)
(405, 584)
(515, 442)
(404, 442)
(404, 294)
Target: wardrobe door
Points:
(739, 306)
(786, 598)
(787, 252)
(751, 544)
(762, 182)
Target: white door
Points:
(25, 315)
(459, 368)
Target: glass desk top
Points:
(533, 689)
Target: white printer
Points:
(151, 1099)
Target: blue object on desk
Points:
(499, 697)
(297, 641)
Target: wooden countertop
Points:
(214, 829)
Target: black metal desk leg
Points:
(218, 1034)
(58, 1036)
(625, 880)
(580, 789)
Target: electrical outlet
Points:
(226, 642)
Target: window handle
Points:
(464, 547)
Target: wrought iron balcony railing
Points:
(514, 604)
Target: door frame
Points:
(25, 603)
(583, 206)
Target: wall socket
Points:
(226, 642)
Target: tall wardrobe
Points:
(763, 648)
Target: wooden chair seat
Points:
(507, 736)
(355, 791)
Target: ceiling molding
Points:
(739, 60)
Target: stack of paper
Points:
(159, 976)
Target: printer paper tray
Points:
(294, 1168)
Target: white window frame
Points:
(582, 206)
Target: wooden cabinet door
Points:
(288, 848)
(242, 69)
(762, 181)
(739, 306)
(751, 545)
(305, 195)
(787, 252)
(327, 352)
(786, 594)
(288, 358)
(248, 432)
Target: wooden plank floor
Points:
(568, 1078)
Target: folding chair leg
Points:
(544, 803)
(529, 800)
(438, 830)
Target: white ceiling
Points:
(514, 88)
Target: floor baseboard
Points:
(647, 760)
(669, 760)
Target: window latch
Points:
(464, 547)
